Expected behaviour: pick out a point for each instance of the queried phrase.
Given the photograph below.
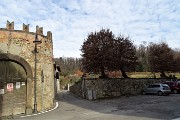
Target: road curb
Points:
(56, 106)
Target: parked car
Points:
(174, 86)
(157, 88)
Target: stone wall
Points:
(109, 88)
(77, 88)
(18, 46)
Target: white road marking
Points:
(42, 112)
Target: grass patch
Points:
(149, 75)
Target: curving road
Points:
(148, 107)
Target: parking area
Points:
(151, 106)
(141, 107)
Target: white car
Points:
(157, 88)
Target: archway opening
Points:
(13, 79)
(15, 72)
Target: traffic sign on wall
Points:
(9, 87)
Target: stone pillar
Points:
(58, 85)
(26, 27)
(29, 97)
(10, 25)
(39, 30)
(68, 87)
(49, 35)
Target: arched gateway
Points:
(15, 85)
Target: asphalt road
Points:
(142, 107)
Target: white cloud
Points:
(71, 20)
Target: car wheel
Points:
(160, 93)
(175, 91)
(143, 92)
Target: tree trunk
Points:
(123, 73)
(103, 75)
(163, 75)
(154, 74)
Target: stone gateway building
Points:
(18, 58)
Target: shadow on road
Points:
(144, 107)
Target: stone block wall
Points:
(109, 88)
(77, 88)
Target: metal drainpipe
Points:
(35, 80)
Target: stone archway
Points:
(28, 70)
(19, 60)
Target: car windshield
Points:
(164, 85)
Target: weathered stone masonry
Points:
(109, 88)
(17, 46)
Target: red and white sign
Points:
(10, 87)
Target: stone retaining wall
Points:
(109, 88)
(76, 88)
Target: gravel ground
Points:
(153, 106)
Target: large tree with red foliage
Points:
(123, 56)
(177, 61)
(161, 58)
(96, 50)
(102, 51)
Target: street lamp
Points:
(36, 42)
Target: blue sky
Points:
(70, 21)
